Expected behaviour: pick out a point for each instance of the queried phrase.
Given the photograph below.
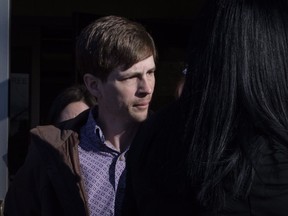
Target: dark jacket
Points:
(157, 182)
(49, 183)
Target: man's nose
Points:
(146, 85)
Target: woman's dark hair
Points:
(69, 95)
(236, 88)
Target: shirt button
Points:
(122, 157)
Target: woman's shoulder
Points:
(269, 192)
(154, 133)
(272, 161)
(165, 116)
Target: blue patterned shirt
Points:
(103, 170)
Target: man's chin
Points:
(140, 117)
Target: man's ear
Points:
(93, 85)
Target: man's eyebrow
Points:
(139, 72)
(153, 68)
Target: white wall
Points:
(4, 76)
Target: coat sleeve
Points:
(22, 197)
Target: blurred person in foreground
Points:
(77, 167)
(222, 148)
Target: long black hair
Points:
(236, 89)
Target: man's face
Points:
(126, 95)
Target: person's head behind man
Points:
(116, 57)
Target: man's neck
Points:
(118, 134)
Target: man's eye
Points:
(127, 78)
(130, 77)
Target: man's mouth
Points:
(142, 105)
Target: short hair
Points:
(75, 93)
(110, 43)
